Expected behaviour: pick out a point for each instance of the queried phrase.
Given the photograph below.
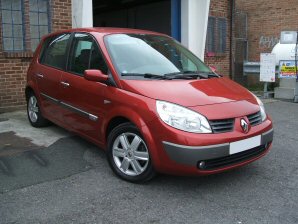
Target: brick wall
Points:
(266, 19)
(221, 8)
(13, 66)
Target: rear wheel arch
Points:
(28, 91)
(34, 112)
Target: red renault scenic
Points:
(148, 101)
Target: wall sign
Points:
(267, 67)
(287, 69)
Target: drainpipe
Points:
(232, 8)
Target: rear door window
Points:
(55, 54)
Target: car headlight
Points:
(182, 118)
(262, 108)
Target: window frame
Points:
(219, 36)
(114, 62)
(49, 25)
(22, 10)
(44, 50)
(71, 50)
(212, 43)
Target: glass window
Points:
(44, 47)
(97, 61)
(12, 25)
(39, 20)
(221, 33)
(143, 54)
(216, 35)
(81, 52)
(86, 55)
(210, 41)
(55, 54)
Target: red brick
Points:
(267, 19)
(13, 66)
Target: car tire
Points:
(128, 154)
(34, 113)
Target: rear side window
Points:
(44, 47)
(86, 55)
(54, 54)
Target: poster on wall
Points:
(267, 67)
(287, 69)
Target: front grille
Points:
(223, 125)
(255, 119)
(231, 159)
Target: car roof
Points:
(106, 31)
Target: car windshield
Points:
(144, 56)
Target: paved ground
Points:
(50, 176)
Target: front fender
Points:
(139, 110)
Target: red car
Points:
(148, 101)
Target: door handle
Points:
(65, 84)
(39, 75)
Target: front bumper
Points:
(215, 156)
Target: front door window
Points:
(86, 55)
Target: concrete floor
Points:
(50, 176)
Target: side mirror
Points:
(214, 69)
(95, 75)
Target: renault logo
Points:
(244, 125)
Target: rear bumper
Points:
(192, 155)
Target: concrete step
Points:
(284, 93)
(287, 83)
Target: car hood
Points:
(190, 93)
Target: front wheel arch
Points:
(113, 123)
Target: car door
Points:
(49, 71)
(84, 99)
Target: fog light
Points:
(202, 165)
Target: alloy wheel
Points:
(130, 154)
(33, 109)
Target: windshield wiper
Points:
(213, 75)
(191, 75)
(147, 75)
(186, 75)
(175, 75)
(205, 74)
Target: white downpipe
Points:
(82, 13)
(194, 22)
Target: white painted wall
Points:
(82, 13)
(194, 22)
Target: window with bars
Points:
(14, 28)
(216, 36)
(39, 20)
(210, 41)
(12, 25)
